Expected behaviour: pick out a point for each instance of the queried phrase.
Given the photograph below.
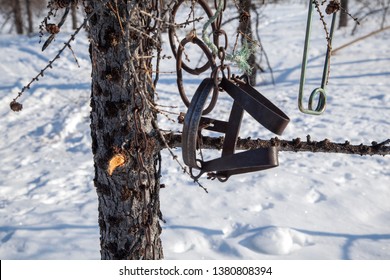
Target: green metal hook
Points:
(320, 92)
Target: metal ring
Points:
(216, 78)
(180, 66)
(172, 31)
(321, 100)
(218, 21)
(218, 35)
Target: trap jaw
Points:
(245, 98)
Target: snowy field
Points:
(313, 206)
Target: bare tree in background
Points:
(372, 10)
(343, 19)
(245, 27)
(30, 28)
(22, 13)
(74, 16)
(18, 19)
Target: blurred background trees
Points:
(23, 16)
(18, 15)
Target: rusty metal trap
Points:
(245, 99)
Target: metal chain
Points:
(210, 47)
(245, 97)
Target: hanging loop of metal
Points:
(216, 37)
(180, 65)
(318, 93)
(176, 11)
(245, 99)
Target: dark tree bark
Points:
(18, 19)
(343, 20)
(124, 138)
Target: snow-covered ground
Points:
(313, 206)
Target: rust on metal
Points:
(245, 99)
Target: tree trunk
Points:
(29, 17)
(246, 28)
(343, 20)
(74, 16)
(18, 19)
(124, 140)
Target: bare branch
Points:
(294, 145)
(15, 105)
(360, 38)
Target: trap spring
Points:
(320, 91)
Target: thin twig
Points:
(74, 56)
(163, 139)
(50, 63)
(360, 38)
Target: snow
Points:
(313, 206)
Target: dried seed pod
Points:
(16, 106)
(181, 117)
(333, 7)
(52, 28)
